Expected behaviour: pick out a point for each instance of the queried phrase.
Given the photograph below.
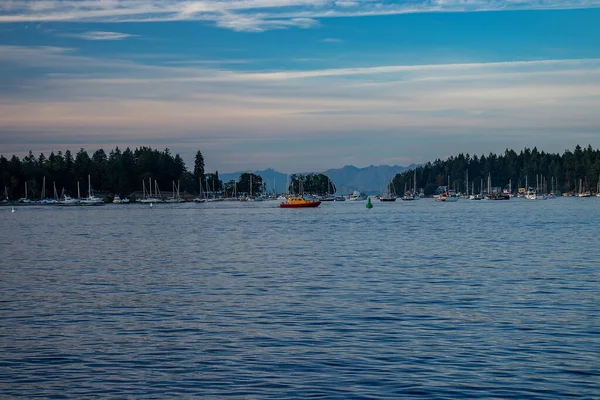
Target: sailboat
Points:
(5, 200)
(329, 196)
(534, 193)
(66, 200)
(583, 193)
(150, 197)
(175, 198)
(46, 200)
(24, 199)
(495, 194)
(389, 194)
(201, 196)
(408, 195)
(449, 195)
(91, 199)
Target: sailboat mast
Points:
(43, 189)
(415, 182)
(78, 191)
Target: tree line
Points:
(118, 172)
(563, 171)
(318, 184)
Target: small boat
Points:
(449, 196)
(175, 198)
(532, 194)
(357, 196)
(499, 196)
(328, 196)
(24, 199)
(299, 202)
(91, 199)
(117, 199)
(149, 197)
(476, 197)
(408, 195)
(390, 194)
(340, 198)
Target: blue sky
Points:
(299, 85)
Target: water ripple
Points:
(427, 300)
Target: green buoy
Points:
(369, 205)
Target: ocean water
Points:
(246, 300)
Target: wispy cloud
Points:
(99, 35)
(98, 100)
(254, 15)
(332, 40)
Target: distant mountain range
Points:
(370, 180)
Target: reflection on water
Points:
(469, 299)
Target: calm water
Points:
(423, 299)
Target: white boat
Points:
(201, 196)
(408, 195)
(534, 193)
(69, 201)
(46, 200)
(24, 199)
(91, 199)
(149, 197)
(175, 198)
(448, 196)
(117, 199)
(357, 195)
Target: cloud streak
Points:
(115, 101)
(99, 35)
(253, 15)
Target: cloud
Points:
(92, 100)
(99, 35)
(332, 40)
(253, 15)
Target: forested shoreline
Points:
(563, 171)
(118, 172)
(122, 172)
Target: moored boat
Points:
(449, 196)
(299, 202)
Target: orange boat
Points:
(299, 202)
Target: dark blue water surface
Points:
(425, 300)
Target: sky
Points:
(299, 85)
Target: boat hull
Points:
(311, 204)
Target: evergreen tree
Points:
(199, 168)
